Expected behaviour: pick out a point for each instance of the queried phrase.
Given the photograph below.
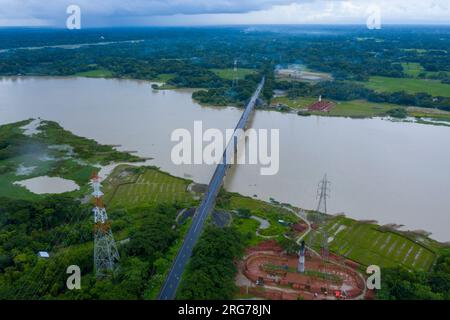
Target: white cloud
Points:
(116, 12)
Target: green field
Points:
(360, 108)
(434, 114)
(98, 73)
(265, 211)
(297, 103)
(412, 69)
(409, 85)
(369, 244)
(415, 50)
(354, 108)
(415, 69)
(164, 77)
(228, 74)
(132, 187)
(51, 151)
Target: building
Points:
(43, 254)
(321, 105)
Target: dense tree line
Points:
(211, 270)
(401, 284)
(63, 227)
(238, 95)
(348, 53)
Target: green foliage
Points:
(63, 227)
(244, 212)
(86, 149)
(397, 113)
(289, 245)
(211, 270)
(155, 233)
(401, 284)
(50, 224)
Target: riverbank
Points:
(36, 150)
(355, 109)
(384, 152)
(136, 192)
(360, 109)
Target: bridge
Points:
(173, 279)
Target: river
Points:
(392, 172)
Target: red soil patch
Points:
(300, 227)
(324, 106)
(278, 274)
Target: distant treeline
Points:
(347, 53)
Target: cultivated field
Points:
(129, 187)
(353, 108)
(98, 73)
(409, 85)
(296, 103)
(360, 108)
(368, 244)
(414, 69)
(229, 73)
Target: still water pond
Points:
(48, 185)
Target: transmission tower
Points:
(323, 193)
(235, 74)
(105, 250)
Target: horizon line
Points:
(227, 25)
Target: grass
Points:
(164, 77)
(265, 211)
(434, 114)
(364, 109)
(228, 74)
(248, 228)
(412, 69)
(297, 103)
(359, 108)
(97, 73)
(75, 159)
(86, 149)
(415, 50)
(369, 244)
(409, 85)
(354, 108)
(133, 187)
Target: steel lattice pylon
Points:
(323, 194)
(235, 74)
(105, 249)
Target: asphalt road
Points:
(172, 282)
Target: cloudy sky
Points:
(210, 12)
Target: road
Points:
(172, 282)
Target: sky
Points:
(99, 13)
